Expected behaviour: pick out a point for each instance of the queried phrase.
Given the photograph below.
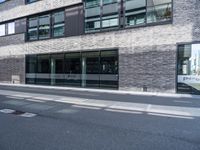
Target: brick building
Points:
(138, 45)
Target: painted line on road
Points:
(123, 111)
(186, 102)
(7, 111)
(170, 116)
(35, 100)
(18, 113)
(86, 107)
(13, 97)
(28, 115)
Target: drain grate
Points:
(18, 113)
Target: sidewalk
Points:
(105, 105)
(105, 91)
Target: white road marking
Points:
(101, 104)
(28, 115)
(92, 104)
(130, 108)
(186, 102)
(7, 111)
(35, 100)
(86, 107)
(171, 116)
(123, 111)
(13, 97)
(43, 98)
(21, 96)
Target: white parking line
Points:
(13, 97)
(86, 107)
(35, 100)
(186, 102)
(170, 116)
(123, 111)
(7, 111)
(28, 115)
(18, 113)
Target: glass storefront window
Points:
(72, 63)
(188, 69)
(109, 62)
(43, 64)
(87, 69)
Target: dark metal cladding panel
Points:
(81, 20)
(20, 25)
(74, 21)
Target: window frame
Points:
(1, 2)
(178, 45)
(50, 13)
(6, 27)
(122, 21)
(53, 23)
(27, 2)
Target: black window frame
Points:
(30, 2)
(6, 28)
(51, 25)
(122, 18)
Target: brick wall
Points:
(147, 55)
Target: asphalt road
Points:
(62, 126)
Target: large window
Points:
(86, 69)
(2, 29)
(110, 14)
(7, 28)
(92, 15)
(135, 12)
(1, 1)
(58, 24)
(11, 28)
(33, 29)
(188, 69)
(103, 14)
(43, 27)
(159, 10)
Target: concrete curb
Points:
(105, 91)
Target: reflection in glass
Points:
(33, 30)
(87, 69)
(135, 12)
(110, 14)
(58, 24)
(44, 27)
(92, 18)
(159, 11)
(189, 68)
